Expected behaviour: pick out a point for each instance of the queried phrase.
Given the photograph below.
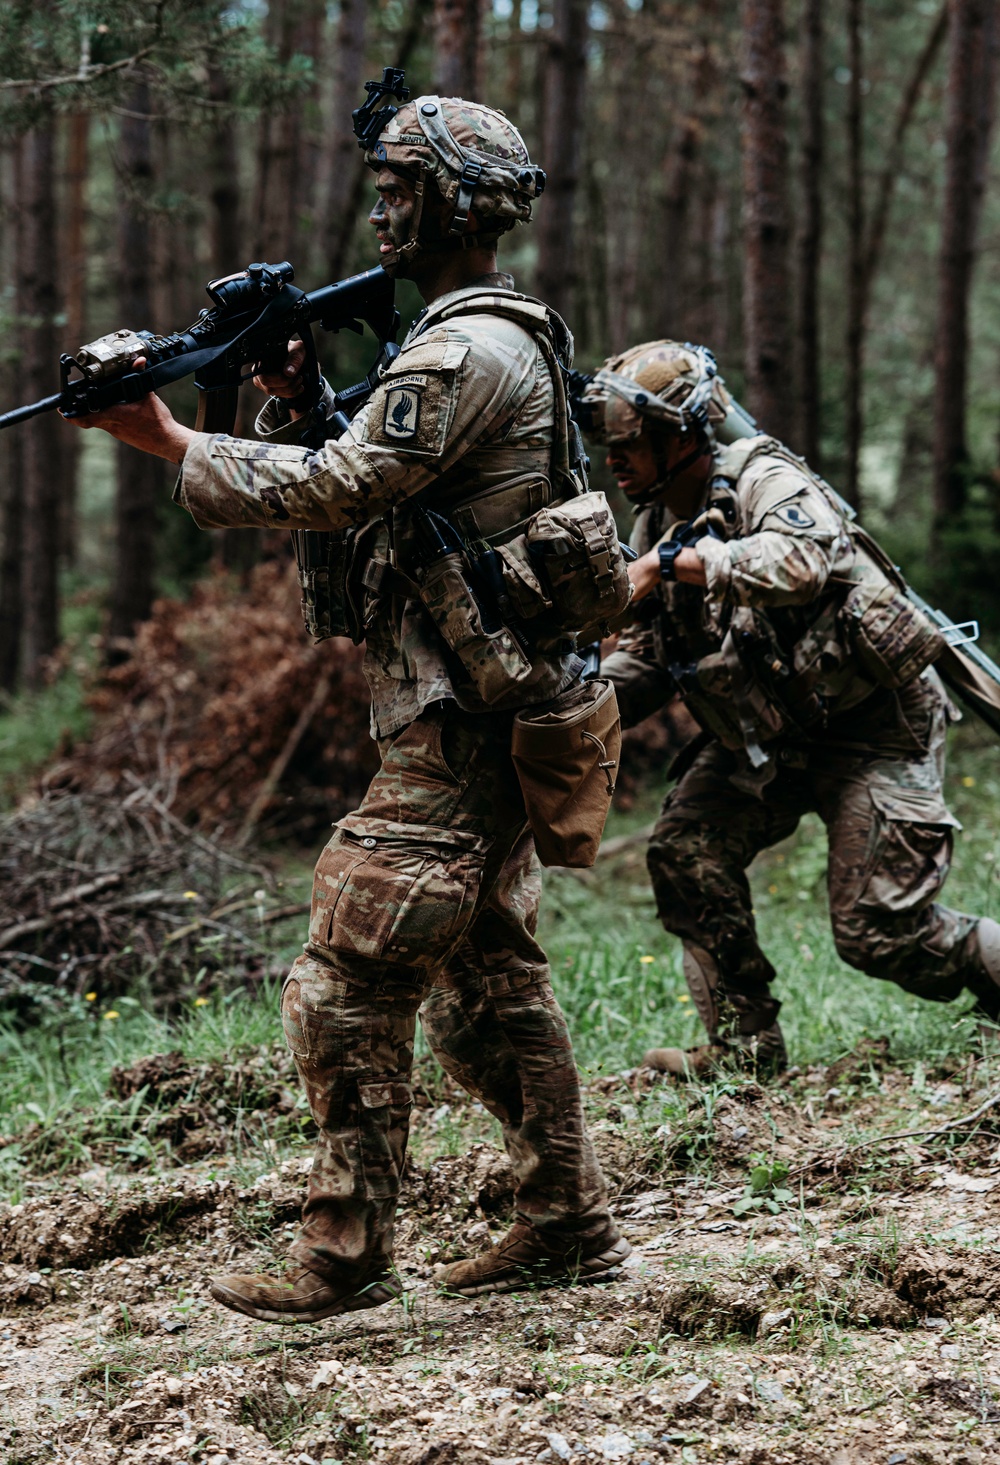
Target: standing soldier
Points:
(428, 893)
(784, 630)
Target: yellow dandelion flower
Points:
(201, 1002)
(645, 960)
(684, 997)
(110, 1016)
(968, 781)
(90, 997)
(191, 895)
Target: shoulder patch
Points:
(401, 420)
(794, 516)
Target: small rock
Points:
(326, 1373)
(950, 1350)
(33, 1279)
(174, 1389)
(696, 1391)
(559, 1445)
(615, 1446)
(173, 1324)
(770, 1390)
(771, 1321)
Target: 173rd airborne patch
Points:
(402, 414)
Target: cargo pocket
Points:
(910, 851)
(383, 1121)
(386, 890)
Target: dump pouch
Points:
(490, 656)
(566, 754)
(575, 548)
(892, 640)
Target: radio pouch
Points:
(566, 753)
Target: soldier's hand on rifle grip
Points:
(283, 379)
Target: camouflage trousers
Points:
(890, 844)
(426, 899)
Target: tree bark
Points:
(140, 477)
(224, 227)
(285, 164)
(972, 72)
(810, 242)
(855, 256)
(458, 26)
(76, 304)
(11, 442)
(766, 279)
(565, 84)
(41, 448)
(345, 165)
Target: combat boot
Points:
(743, 1031)
(986, 984)
(301, 1296)
(527, 1258)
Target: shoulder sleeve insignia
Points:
(794, 516)
(402, 413)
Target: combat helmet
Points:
(474, 154)
(669, 386)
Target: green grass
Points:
(616, 973)
(598, 930)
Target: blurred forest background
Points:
(805, 186)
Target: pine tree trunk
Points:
(42, 459)
(457, 48)
(811, 231)
(972, 74)
(224, 226)
(345, 166)
(767, 278)
(285, 163)
(855, 257)
(565, 85)
(78, 126)
(11, 442)
(140, 477)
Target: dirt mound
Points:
(948, 1283)
(77, 1231)
(481, 1180)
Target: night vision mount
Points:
(369, 119)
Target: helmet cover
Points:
(670, 386)
(475, 155)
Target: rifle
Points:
(253, 315)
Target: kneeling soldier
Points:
(780, 624)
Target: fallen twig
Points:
(962, 1122)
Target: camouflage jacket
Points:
(467, 405)
(761, 655)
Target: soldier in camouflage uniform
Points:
(777, 622)
(426, 897)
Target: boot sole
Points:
(375, 1296)
(521, 1280)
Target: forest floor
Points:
(804, 1285)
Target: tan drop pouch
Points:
(566, 754)
(891, 638)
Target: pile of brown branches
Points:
(233, 714)
(105, 895)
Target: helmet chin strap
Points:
(448, 243)
(665, 476)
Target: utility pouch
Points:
(575, 550)
(490, 655)
(892, 640)
(566, 754)
(322, 557)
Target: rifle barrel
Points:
(21, 414)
